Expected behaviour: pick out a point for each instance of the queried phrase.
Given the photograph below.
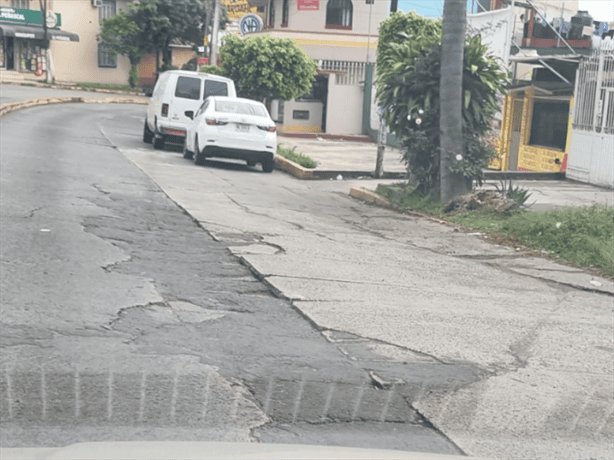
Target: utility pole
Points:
(381, 133)
(452, 183)
(214, 33)
(43, 7)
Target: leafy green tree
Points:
(212, 69)
(264, 67)
(122, 35)
(150, 26)
(412, 32)
(410, 94)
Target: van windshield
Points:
(215, 88)
(188, 88)
(242, 108)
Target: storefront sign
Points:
(250, 23)
(308, 5)
(237, 8)
(21, 16)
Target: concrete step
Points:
(490, 174)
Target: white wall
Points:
(313, 124)
(316, 20)
(78, 61)
(591, 158)
(344, 108)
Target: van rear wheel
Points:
(158, 143)
(147, 133)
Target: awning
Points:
(36, 33)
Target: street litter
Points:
(595, 283)
(45, 230)
(339, 177)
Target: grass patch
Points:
(109, 86)
(582, 236)
(299, 158)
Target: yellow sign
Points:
(238, 8)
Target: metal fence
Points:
(594, 94)
(347, 72)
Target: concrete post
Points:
(214, 33)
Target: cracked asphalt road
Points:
(388, 330)
(123, 319)
(536, 337)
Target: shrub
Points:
(212, 69)
(299, 158)
(409, 92)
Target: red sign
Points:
(203, 61)
(308, 5)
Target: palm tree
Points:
(451, 94)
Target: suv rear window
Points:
(215, 88)
(188, 88)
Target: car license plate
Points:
(242, 127)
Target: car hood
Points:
(207, 450)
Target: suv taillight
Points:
(270, 129)
(165, 110)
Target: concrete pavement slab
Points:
(422, 287)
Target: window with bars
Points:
(23, 4)
(107, 9)
(272, 14)
(549, 124)
(339, 14)
(105, 59)
(284, 14)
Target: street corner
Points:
(293, 168)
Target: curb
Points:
(12, 107)
(302, 173)
(293, 169)
(369, 196)
(41, 84)
(332, 137)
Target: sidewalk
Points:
(350, 159)
(357, 160)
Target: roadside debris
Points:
(479, 200)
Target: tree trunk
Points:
(451, 94)
(167, 56)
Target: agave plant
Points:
(518, 194)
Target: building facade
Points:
(75, 55)
(342, 36)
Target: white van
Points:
(176, 92)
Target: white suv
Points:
(176, 92)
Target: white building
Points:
(342, 36)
